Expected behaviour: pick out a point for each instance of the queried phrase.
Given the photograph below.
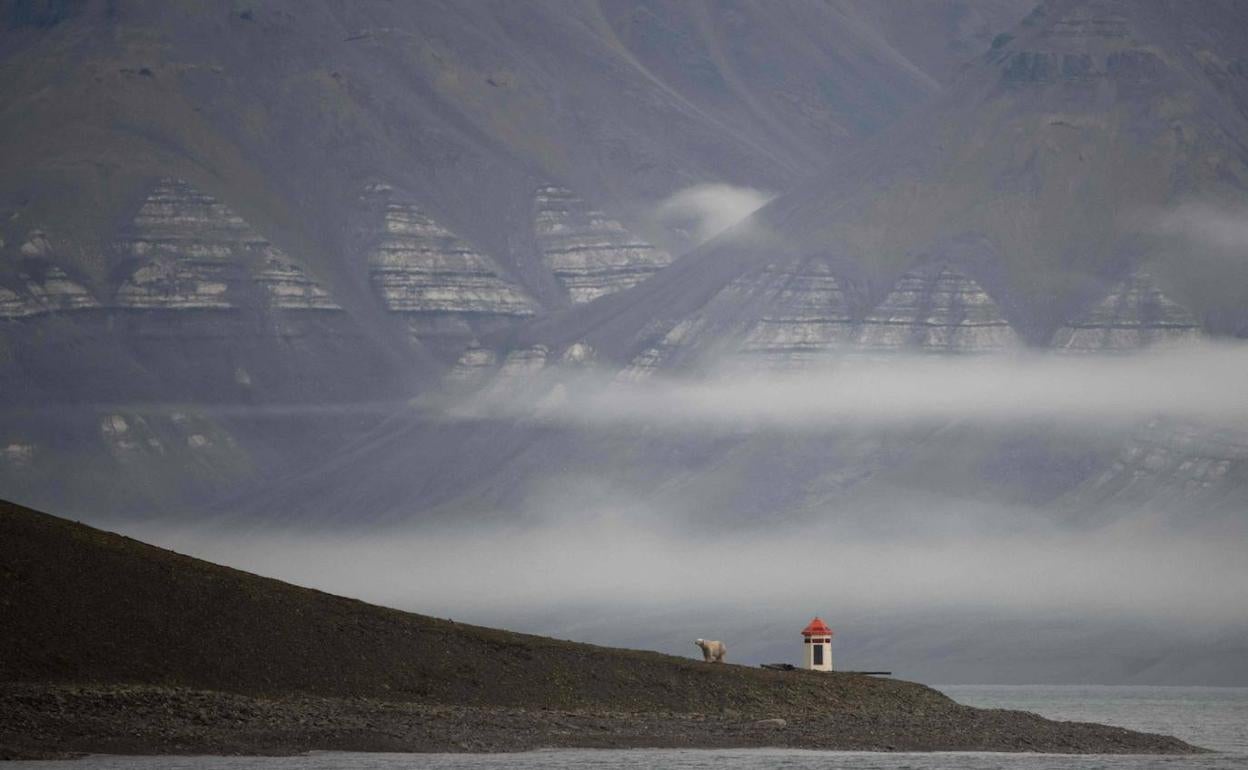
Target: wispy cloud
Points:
(706, 210)
(1215, 226)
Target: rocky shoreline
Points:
(55, 721)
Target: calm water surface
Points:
(1212, 717)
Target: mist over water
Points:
(1191, 381)
(616, 580)
(1132, 570)
(956, 586)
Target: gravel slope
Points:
(109, 645)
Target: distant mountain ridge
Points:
(284, 114)
(210, 208)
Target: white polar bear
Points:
(712, 652)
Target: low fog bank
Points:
(1190, 381)
(908, 544)
(1041, 605)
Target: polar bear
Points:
(712, 652)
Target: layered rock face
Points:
(194, 253)
(1174, 467)
(517, 375)
(668, 343)
(288, 287)
(804, 318)
(524, 362)
(779, 317)
(52, 289)
(473, 367)
(14, 305)
(798, 316)
(590, 253)
(56, 294)
(186, 244)
(446, 290)
(1134, 315)
(41, 286)
(940, 311)
(511, 374)
(205, 306)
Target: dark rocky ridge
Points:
(104, 635)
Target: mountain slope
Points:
(1097, 141)
(291, 203)
(286, 114)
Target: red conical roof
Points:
(817, 628)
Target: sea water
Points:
(1212, 717)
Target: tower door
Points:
(817, 649)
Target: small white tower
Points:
(818, 643)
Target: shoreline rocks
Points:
(46, 721)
